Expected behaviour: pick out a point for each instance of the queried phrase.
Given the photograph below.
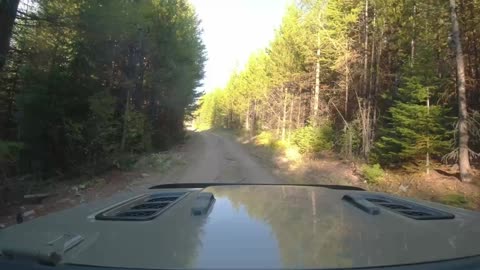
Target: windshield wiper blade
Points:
(205, 185)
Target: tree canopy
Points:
(381, 73)
(88, 79)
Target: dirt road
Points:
(216, 157)
(207, 157)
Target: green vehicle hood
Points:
(250, 226)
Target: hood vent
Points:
(370, 203)
(142, 208)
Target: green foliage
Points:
(102, 126)
(86, 63)
(137, 124)
(348, 140)
(413, 128)
(158, 162)
(313, 139)
(457, 200)
(373, 174)
(380, 90)
(265, 138)
(9, 154)
(211, 113)
(9, 151)
(125, 161)
(279, 145)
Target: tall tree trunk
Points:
(371, 97)
(125, 121)
(290, 117)
(130, 74)
(139, 71)
(463, 151)
(412, 42)
(247, 118)
(377, 83)
(284, 115)
(365, 51)
(365, 107)
(427, 158)
(8, 11)
(475, 45)
(253, 117)
(317, 88)
(112, 74)
(299, 111)
(347, 81)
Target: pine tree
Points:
(415, 128)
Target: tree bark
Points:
(8, 11)
(299, 111)
(139, 72)
(347, 82)
(427, 158)
(377, 83)
(463, 151)
(253, 117)
(365, 51)
(412, 42)
(247, 118)
(364, 107)
(290, 118)
(125, 121)
(317, 89)
(284, 118)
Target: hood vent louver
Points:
(371, 203)
(142, 208)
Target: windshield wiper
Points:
(205, 185)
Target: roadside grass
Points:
(288, 163)
(372, 173)
(157, 162)
(457, 200)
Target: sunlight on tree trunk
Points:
(284, 113)
(463, 137)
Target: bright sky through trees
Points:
(232, 30)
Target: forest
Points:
(83, 82)
(393, 83)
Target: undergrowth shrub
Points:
(265, 138)
(457, 200)
(313, 139)
(373, 174)
(156, 161)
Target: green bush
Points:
(313, 139)
(372, 173)
(125, 162)
(456, 200)
(268, 139)
(136, 136)
(9, 150)
(349, 141)
(279, 145)
(265, 138)
(158, 162)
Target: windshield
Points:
(102, 99)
